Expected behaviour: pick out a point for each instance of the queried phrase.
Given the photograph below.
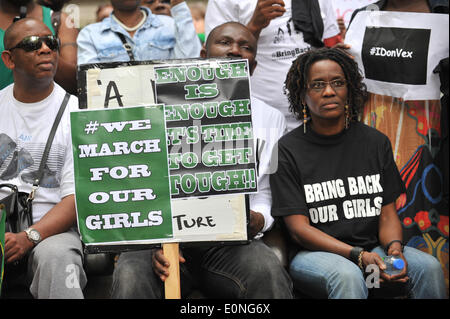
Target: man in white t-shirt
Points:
(231, 271)
(29, 107)
(279, 40)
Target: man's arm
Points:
(57, 220)
(66, 74)
(187, 42)
(331, 33)
(86, 49)
(265, 11)
(219, 12)
(260, 203)
(261, 219)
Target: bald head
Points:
(233, 40)
(23, 28)
(34, 62)
(218, 31)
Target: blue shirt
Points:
(160, 37)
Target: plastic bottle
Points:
(394, 265)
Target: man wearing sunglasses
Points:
(133, 32)
(10, 10)
(29, 106)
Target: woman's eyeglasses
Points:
(319, 86)
(34, 42)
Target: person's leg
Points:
(55, 266)
(326, 275)
(426, 275)
(426, 278)
(242, 271)
(133, 277)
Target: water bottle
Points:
(394, 265)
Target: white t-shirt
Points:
(278, 46)
(24, 130)
(268, 126)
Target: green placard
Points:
(121, 175)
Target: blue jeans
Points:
(327, 275)
(239, 271)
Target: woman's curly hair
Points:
(297, 80)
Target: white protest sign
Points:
(216, 218)
(398, 51)
(105, 87)
(345, 8)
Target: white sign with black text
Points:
(398, 51)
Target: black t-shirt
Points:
(340, 182)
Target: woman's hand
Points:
(369, 258)
(402, 276)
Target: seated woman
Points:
(336, 187)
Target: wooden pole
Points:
(172, 283)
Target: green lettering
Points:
(203, 181)
(194, 74)
(236, 179)
(179, 73)
(164, 76)
(208, 90)
(239, 70)
(223, 72)
(219, 181)
(188, 183)
(241, 107)
(226, 109)
(189, 160)
(211, 109)
(174, 181)
(191, 91)
(197, 111)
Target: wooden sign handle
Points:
(172, 284)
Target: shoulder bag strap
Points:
(126, 46)
(49, 145)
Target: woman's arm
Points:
(389, 230)
(66, 74)
(314, 239)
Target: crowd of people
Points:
(306, 88)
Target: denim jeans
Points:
(327, 275)
(237, 271)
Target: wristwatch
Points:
(33, 235)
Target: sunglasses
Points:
(34, 42)
(153, 1)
